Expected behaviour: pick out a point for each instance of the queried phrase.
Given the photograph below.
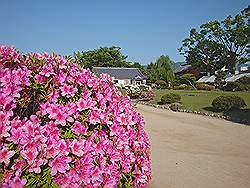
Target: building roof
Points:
(120, 72)
(207, 79)
(233, 78)
(180, 68)
(229, 78)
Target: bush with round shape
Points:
(170, 98)
(147, 95)
(133, 91)
(183, 87)
(226, 103)
(235, 86)
(63, 126)
(161, 84)
(203, 86)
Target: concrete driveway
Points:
(193, 151)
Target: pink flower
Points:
(40, 78)
(84, 104)
(59, 164)
(77, 147)
(17, 182)
(68, 90)
(5, 155)
(79, 128)
(29, 155)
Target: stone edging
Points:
(246, 122)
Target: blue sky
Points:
(144, 29)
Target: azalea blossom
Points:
(5, 155)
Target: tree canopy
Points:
(162, 69)
(219, 43)
(101, 57)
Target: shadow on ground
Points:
(237, 116)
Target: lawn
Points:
(198, 100)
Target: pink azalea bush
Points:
(62, 126)
(147, 95)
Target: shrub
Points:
(133, 91)
(244, 80)
(161, 84)
(188, 79)
(61, 125)
(235, 86)
(170, 98)
(183, 87)
(203, 86)
(144, 87)
(147, 95)
(226, 103)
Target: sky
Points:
(144, 29)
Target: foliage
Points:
(218, 44)
(102, 57)
(219, 81)
(188, 79)
(244, 80)
(235, 86)
(133, 91)
(162, 69)
(183, 87)
(226, 103)
(203, 86)
(63, 126)
(161, 84)
(170, 98)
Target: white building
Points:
(122, 75)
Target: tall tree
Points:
(219, 43)
(162, 69)
(102, 57)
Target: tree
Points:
(162, 69)
(219, 44)
(102, 57)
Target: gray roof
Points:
(181, 68)
(120, 72)
(207, 79)
(233, 78)
(229, 78)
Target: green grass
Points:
(198, 100)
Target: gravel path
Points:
(193, 151)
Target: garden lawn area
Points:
(199, 100)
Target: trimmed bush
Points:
(203, 86)
(235, 86)
(170, 98)
(161, 84)
(63, 126)
(183, 87)
(226, 103)
(244, 80)
(147, 95)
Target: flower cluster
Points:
(147, 95)
(61, 125)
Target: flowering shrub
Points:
(133, 91)
(62, 126)
(147, 95)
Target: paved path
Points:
(193, 151)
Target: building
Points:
(242, 70)
(122, 75)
